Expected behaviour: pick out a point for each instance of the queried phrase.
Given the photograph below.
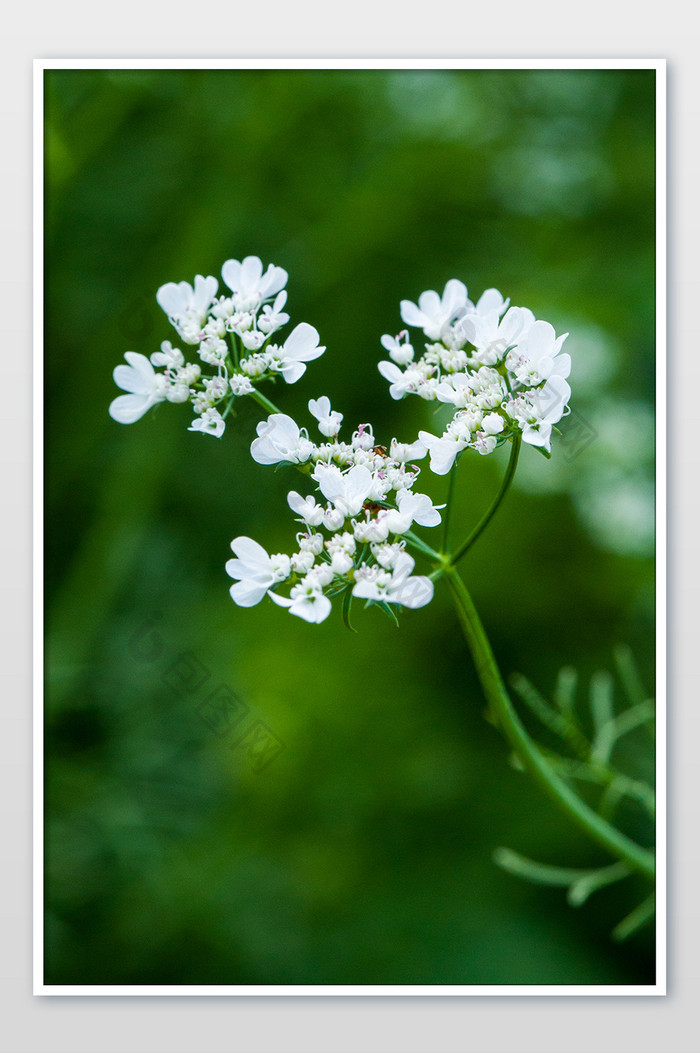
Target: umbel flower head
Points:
(497, 365)
(352, 541)
(232, 340)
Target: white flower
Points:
(306, 601)
(255, 571)
(443, 450)
(400, 353)
(240, 385)
(433, 312)
(399, 588)
(248, 283)
(537, 357)
(272, 317)
(306, 508)
(412, 381)
(252, 340)
(347, 491)
(186, 307)
(169, 356)
(329, 421)
(419, 507)
(210, 423)
(492, 335)
(548, 407)
(404, 451)
(145, 387)
(301, 346)
(280, 439)
(493, 424)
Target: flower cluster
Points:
(354, 528)
(232, 335)
(499, 367)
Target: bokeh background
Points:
(361, 852)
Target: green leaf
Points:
(389, 612)
(634, 921)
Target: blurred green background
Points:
(361, 853)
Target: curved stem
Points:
(486, 519)
(264, 402)
(595, 826)
(416, 542)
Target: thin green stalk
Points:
(595, 826)
(488, 516)
(416, 542)
(264, 402)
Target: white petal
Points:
(248, 593)
(415, 592)
(231, 273)
(314, 611)
(126, 409)
(173, 298)
(292, 371)
(253, 554)
(251, 273)
(412, 315)
(320, 408)
(274, 280)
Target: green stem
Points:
(486, 519)
(416, 542)
(595, 826)
(265, 402)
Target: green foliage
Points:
(589, 763)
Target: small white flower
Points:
(341, 563)
(399, 353)
(177, 392)
(493, 424)
(252, 340)
(404, 451)
(300, 347)
(329, 421)
(434, 312)
(248, 283)
(255, 571)
(386, 555)
(400, 588)
(272, 316)
(412, 381)
(169, 356)
(443, 450)
(210, 423)
(145, 387)
(306, 601)
(549, 405)
(306, 508)
(280, 439)
(419, 507)
(347, 491)
(187, 307)
(537, 357)
(333, 519)
(492, 335)
(310, 543)
(240, 385)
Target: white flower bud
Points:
(333, 519)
